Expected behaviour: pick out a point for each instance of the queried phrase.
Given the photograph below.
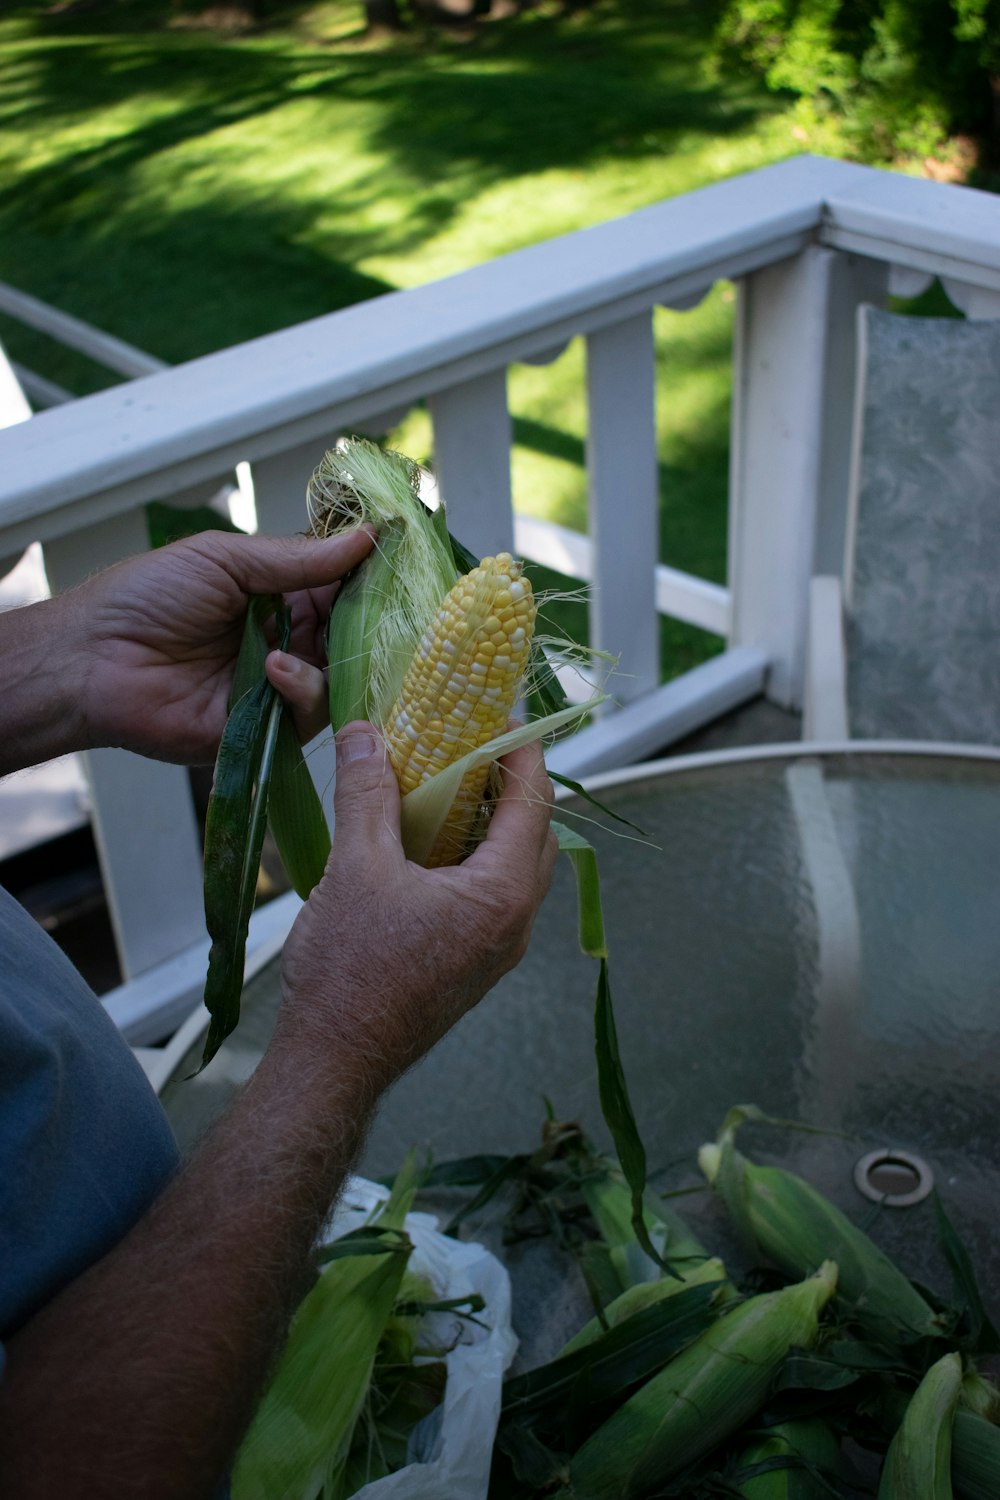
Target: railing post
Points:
(144, 823)
(472, 437)
(623, 486)
(279, 488)
(792, 382)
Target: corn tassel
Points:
(918, 1463)
(789, 1224)
(702, 1396)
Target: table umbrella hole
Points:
(897, 1179)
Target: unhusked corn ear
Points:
(918, 1463)
(785, 1221)
(302, 1430)
(703, 1396)
(460, 687)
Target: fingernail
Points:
(355, 747)
(290, 665)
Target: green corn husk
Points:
(299, 1440)
(610, 1203)
(810, 1444)
(353, 634)
(789, 1224)
(601, 1375)
(918, 1463)
(393, 594)
(702, 1396)
(645, 1294)
(400, 1394)
(975, 1457)
(303, 1428)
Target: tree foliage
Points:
(901, 77)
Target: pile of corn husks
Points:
(822, 1373)
(825, 1373)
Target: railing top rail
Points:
(102, 453)
(934, 226)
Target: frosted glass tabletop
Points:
(815, 933)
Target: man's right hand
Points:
(386, 956)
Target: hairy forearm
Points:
(39, 685)
(141, 1377)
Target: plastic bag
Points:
(455, 1447)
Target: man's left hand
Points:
(156, 637)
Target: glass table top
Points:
(817, 934)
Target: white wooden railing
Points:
(804, 241)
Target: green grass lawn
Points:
(186, 190)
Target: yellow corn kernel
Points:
(460, 687)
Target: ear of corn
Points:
(789, 1224)
(811, 1448)
(302, 1431)
(425, 809)
(702, 1396)
(918, 1463)
(299, 1440)
(459, 691)
(435, 660)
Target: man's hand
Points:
(161, 632)
(386, 956)
(142, 655)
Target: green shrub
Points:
(897, 78)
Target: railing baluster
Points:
(279, 487)
(472, 436)
(623, 488)
(144, 822)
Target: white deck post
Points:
(790, 424)
(853, 279)
(472, 438)
(279, 488)
(623, 486)
(144, 823)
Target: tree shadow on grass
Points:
(444, 123)
(260, 284)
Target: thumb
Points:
(366, 795)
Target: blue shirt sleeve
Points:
(85, 1146)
